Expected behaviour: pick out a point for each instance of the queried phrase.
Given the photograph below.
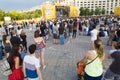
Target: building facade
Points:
(108, 5)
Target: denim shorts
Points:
(70, 34)
(109, 75)
(40, 50)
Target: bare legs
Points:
(41, 58)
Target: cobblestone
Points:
(61, 59)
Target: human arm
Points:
(103, 57)
(37, 65)
(39, 73)
(24, 72)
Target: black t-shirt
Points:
(115, 66)
(70, 27)
(23, 37)
(42, 30)
(61, 30)
(15, 40)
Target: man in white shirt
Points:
(94, 35)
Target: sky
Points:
(8, 5)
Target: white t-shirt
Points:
(94, 34)
(31, 63)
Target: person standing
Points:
(31, 66)
(118, 34)
(94, 35)
(55, 33)
(61, 30)
(74, 28)
(70, 29)
(114, 69)
(15, 40)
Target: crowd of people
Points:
(62, 31)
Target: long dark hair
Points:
(14, 53)
(36, 34)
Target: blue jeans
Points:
(90, 29)
(62, 39)
(87, 77)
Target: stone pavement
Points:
(61, 59)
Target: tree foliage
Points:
(88, 12)
(20, 15)
(97, 11)
(103, 11)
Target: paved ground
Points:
(61, 59)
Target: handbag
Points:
(40, 45)
(5, 68)
(81, 66)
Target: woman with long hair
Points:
(15, 62)
(94, 70)
(40, 45)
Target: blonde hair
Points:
(22, 32)
(99, 47)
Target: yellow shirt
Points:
(95, 68)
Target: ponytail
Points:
(99, 48)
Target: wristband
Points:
(25, 77)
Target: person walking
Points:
(15, 62)
(40, 47)
(31, 66)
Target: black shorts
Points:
(55, 36)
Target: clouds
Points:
(8, 5)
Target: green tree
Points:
(82, 11)
(15, 15)
(92, 12)
(97, 11)
(87, 12)
(103, 11)
(2, 13)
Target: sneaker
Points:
(44, 67)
